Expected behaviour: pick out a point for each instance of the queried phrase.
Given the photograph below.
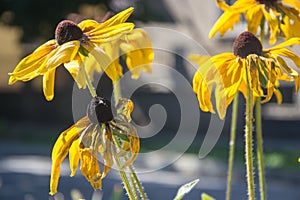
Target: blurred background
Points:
(29, 125)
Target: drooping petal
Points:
(76, 69)
(106, 64)
(230, 17)
(90, 168)
(48, 84)
(271, 17)
(287, 53)
(74, 156)
(28, 66)
(61, 148)
(200, 81)
(253, 16)
(137, 47)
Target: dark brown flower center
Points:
(245, 44)
(99, 110)
(67, 31)
(268, 3)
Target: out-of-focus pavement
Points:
(25, 174)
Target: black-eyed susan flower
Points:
(282, 17)
(248, 65)
(95, 136)
(73, 43)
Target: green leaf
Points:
(183, 190)
(205, 196)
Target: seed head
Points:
(99, 110)
(245, 44)
(67, 31)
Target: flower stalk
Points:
(232, 145)
(248, 142)
(136, 184)
(259, 138)
(89, 83)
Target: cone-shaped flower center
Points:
(99, 110)
(67, 31)
(245, 44)
(268, 3)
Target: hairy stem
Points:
(259, 139)
(232, 145)
(259, 149)
(248, 142)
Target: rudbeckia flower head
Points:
(98, 136)
(71, 48)
(248, 66)
(282, 17)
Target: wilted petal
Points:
(61, 148)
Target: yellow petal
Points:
(74, 156)
(289, 42)
(230, 17)
(60, 150)
(77, 71)
(119, 18)
(139, 52)
(88, 25)
(224, 23)
(253, 16)
(110, 33)
(28, 66)
(105, 62)
(65, 53)
(289, 54)
(271, 17)
(48, 84)
(90, 168)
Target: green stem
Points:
(89, 83)
(259, 139)
(138, 183)
(248, 142)
(232, 145)
(134, 179)
(260, 158)
(131, 194)
(117, 91)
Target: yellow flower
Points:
(248, 65)
(137, 49)
(283, 17)
(94, 134)
(71, 46)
